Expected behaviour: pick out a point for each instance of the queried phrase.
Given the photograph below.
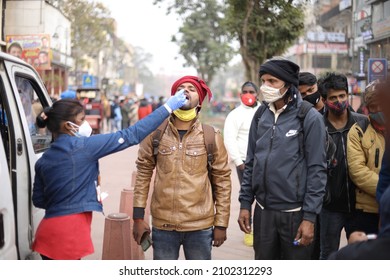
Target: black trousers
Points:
(366, 222)
(316, 243)
(274, 233)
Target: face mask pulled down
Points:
(271, 94)
(84, 130)
(185, 115)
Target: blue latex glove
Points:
(177, 101)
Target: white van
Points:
(22, 97)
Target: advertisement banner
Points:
(32, 48)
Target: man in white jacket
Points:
(236, 132)
(237, 126)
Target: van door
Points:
(8, 250)
(25, 96)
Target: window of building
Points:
(343, 61)
(377, 12)
(386, 9)
(321, 61)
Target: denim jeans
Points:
(330, 231)
(196, 244)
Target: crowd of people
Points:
(307, 164)
(306, 190)
(121, 112)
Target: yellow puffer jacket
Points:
(182, 197)
(365, 152)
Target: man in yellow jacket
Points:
(365, 148)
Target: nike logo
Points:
(291, 133)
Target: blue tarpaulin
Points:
(68, 94)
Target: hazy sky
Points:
(145, 25)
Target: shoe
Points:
(248, 239)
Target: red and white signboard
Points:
(377, 69)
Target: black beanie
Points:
(282, 69)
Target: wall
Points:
(24, 17)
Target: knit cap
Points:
(282, 69)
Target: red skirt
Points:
(65, 237)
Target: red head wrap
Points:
(198, 83)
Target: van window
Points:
(32, 106)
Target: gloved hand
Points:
(177, 101)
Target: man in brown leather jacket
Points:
(186, 207)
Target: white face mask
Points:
(83, 130)
(271, 94)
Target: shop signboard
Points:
(32, 48)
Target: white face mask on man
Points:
(271, 94)
(82, 130)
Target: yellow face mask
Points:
(185, 115)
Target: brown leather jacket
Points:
(182, 197)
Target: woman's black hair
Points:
(251, 84)
(61, 110)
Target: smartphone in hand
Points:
(146, 241)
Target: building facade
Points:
(343, 36)
(43, 31)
